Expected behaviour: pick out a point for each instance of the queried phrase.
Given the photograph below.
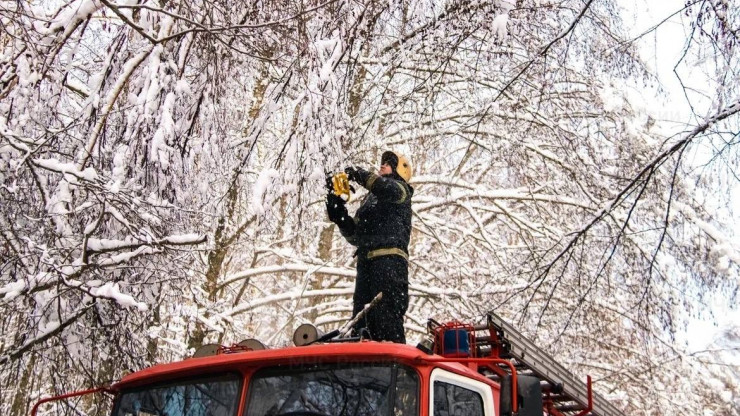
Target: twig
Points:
(343, 331)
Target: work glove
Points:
(336, 208)
(358, 175)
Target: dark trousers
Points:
(390, 275)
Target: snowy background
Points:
(162, 174)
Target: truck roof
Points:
(365, 351)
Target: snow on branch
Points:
(111, 291)
(442, 180)
(291, 295)
(48, 332)
(55, 165)
(103, 245)
(544, 49)
(724, 247)
(142, 248)
(449, 12)
(503, 194)
(426, 290)
(300, 293)
(128, 69)
(210, 324)
(302, 268)
(69, 18)
(125, 257)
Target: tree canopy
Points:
(162, 172)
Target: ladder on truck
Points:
(563, 391)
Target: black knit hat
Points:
(390, 158)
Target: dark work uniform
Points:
(381, 232)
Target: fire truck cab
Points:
(363, 378)
(459, 372)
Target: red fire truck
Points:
(464, 370)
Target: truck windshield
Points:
(350, 390)
(208, 396)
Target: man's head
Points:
(395, 162)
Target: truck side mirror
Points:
(529, 396)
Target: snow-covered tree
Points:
(162, 170)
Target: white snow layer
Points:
(112, 291)
(499, 25)
(500, 22)
(260, 204)
(55, 165)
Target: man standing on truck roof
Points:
(381, 229)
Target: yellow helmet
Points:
(400, 163)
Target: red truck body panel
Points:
(248, 362)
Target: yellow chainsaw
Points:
(339, 184)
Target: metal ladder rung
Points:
(570, 408)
